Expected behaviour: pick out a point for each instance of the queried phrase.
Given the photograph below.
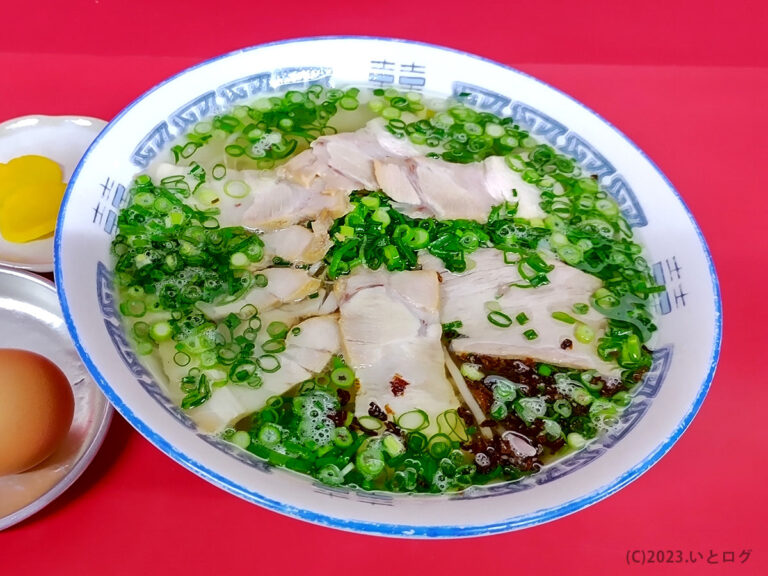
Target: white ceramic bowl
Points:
(687, 343)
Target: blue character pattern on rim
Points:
(409, 75)
(667, 272)
(151, 145)
(373, 498)
(245, 88)
(106, 209)
(194, 111)
(562, 139)
(538, 123)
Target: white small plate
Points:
(63, 139)
(30, 319)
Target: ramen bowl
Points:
(685, 348)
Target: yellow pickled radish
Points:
(29, 212)
(31, 191)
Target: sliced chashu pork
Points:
(373, 159)
(464, 297)
(298, 244)
(278, 203)
(432, 187)
(390, 331)
(345, 161)
(284, 285)
(305, 353)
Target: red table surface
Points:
(686, 81)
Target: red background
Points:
(687, 81)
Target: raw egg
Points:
(31, 190)
(36, 409)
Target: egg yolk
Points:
(31, 191)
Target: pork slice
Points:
(464, 297)
(345, 161)
(284, 285)
(433, 187)
(503, 183)
(305, 353)
(278, 203)
(298, 244)
(390, 332)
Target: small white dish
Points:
(63, 139)
(30, 319)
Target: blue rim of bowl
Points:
(388, 529)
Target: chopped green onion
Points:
(581, 396)
(342, 437)
(530, 334)
(370, 423)
(274, 346)
(544, 369)
(621, 399)
(236, 189)
(343, 377)
(247, 312)
(562, 407)
(239, 260)
(241, 438)
(551, 428)
(242, 371)
(270, 435)
(381, 215)
(144, 347)
(472, 371)
(498, 410)
(413, 421)
(135, 308)
(370, 463)
(277, 329)
(583, 333)
(440, 445)
(268, 363)
(330, 474)
(218, 171)
(576, 441)
(504, 390)
(160, 331)
(450, 329)
(522, 318)
(498, 318)
(205, 196)
(563, 317)
(392, 445)
(417, 238)
(581, 308)
(141, 330)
